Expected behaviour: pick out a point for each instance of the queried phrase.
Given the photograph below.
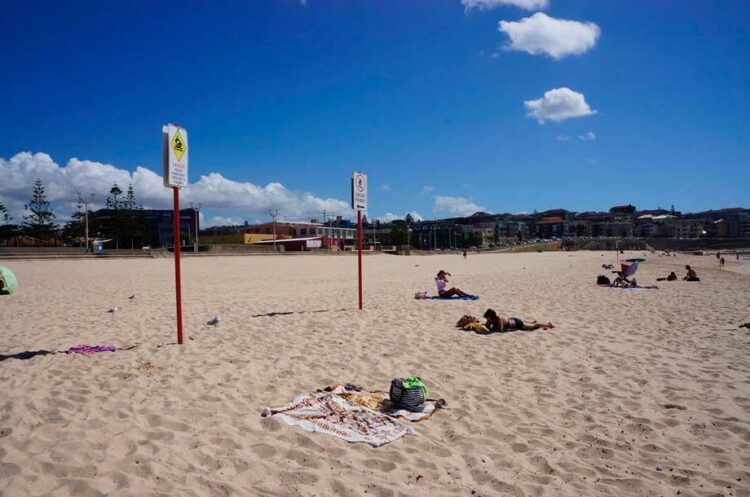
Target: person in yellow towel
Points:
(503, 322)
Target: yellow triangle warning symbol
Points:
(178, 145)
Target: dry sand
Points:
(634, 393)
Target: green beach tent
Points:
(10, 283)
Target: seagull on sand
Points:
(214, 321)
(114, 309)
(132, 297)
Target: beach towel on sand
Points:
(469, 297)
(630, 288)
(478, 327)
(355, 416)
(90, 349)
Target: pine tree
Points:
(39, 222)
(135, 227)
(74, 230)
(4, 217)
(7, 230)
(114, 203)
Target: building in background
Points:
(300, 235)
(552, 227)
(126, 228)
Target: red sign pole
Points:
(177, 279)
(359, 253)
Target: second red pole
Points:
(359, 253)
(177, 279)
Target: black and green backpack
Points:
(408, 393)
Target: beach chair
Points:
(627, 271)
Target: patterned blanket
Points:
(353, 415)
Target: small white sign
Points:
(175, 155)
(359, 191)
(314, 244)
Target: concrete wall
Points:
(698, 244)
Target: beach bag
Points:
(466, 319)
(420, 295)
(409, 394)
(602, 280)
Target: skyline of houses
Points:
(486, 229)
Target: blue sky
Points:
(416, 94)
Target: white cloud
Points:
(589, 137)
(558, 105)
(562, 138)
(389, 217)
(493, 4)
(542, 34)
(456, 206)
(385, 188)
(427, 189)
(213, 191)
(221, 221)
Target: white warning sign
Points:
(359, 191)
(175, 155)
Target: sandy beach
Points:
(633, 393)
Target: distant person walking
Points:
(721, 263)
(464, 254)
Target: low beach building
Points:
(301, 235)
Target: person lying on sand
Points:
(672, 277)
(503, 322)
(632, 283)
(691, 274)
(442, 287)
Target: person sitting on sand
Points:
(691, 274)
(503, 322)
(442, 287)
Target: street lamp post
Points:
(273, 214)
(196, 211)
(86, 202)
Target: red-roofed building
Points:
(550, 227)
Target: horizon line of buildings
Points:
(479, 229)
(484, 229)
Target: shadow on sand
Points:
(286, 313)
(27, 354)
